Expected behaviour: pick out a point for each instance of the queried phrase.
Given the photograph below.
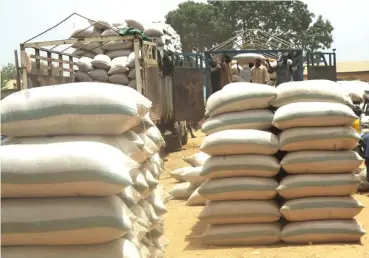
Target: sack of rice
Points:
(246, 58)
(140, 185)
(82, 33)
(176, 174)
(153, 31)
(364, 184)
(310, 91)
(84, 64)
(132, 74)
(101, 25)
(239, 96)
(320, 114)
(355, 89)
(135, 24)
(82, 77)
(133, 84)
(101, 62)
(197, 159)
(242, 234)
(240, 141)
(234, 212)
(312, 162)
(63, 221)
(84, 53)
(157, 203)
(130, 196)
(119, 78)
(110, 32)
(325, 231)
(251, 119)
(99, 75)
(150, 211)
(118, 53)
(182, 191)
(94, 47)
(193, 176)
(196, 199)
(299, 186)
(118, 248)
(131, 60)
(119, 65)
(155, 135)
(320, 208)
(239, 188)
(117, 45)
(240, 165)
(319, 138)
(72, 108)
(62, 169)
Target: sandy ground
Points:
(181, 224)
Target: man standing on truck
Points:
(284, 69)
(225, 71)
(259, 73)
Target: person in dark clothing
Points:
(189, 128)
(284, 69)
(215, 76)
(365, 145)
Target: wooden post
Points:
(19, 87)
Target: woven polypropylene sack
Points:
(196, 199)
(81, 33)
(182, 191)
(82, 77)
(246, 58)
(119, 65)
(321, 208)
(319, 138)
(101, 62)
(63, 221)
(240, 141)
(84, 64)
(119, 78)
(135, 24)
(117, 45)
(99, 75)
(118, 53)
(176, 174)
(197, 159)
(194, 176)
(320, 114)
(299, 186)
(240, 165)
(325, 231)
(153, 32)
(101, 25)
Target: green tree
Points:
(8, 72)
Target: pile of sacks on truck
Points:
(277, 164)
(114, 61)
(80, 174)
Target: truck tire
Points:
(174, 142)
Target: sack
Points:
(84, 64)
(110, 32)
(82, 77)
(325, 231)
(239, 96)
(196, 199)
(101, 25)
(99, 75)
(153, 32)
(251, 119)
(133, 84)
(312, 162)
(355, 89)
(155, 135)
(150, 211)
(310, 91)
(197, 159)
(119, 65)
(140, 185)
(101, 62)
(194, 176)
(132, 74)
(144, 125)
(157, 203)
(299, 186)
(321, 208)
(131, 60)
(150, 180)
(239, 188)
(118, 45)
(130, 196)
(247, 58)
(135, 24)
(119, 78)
(240, 141)
(177, 173)
(320, 114)
(241, 234)
(182, 191)
(319, 138)
(63, 221)
(118, 53)
(82, 33)
(117, 248)
(62, 169)
(83, 53)
(92, 46)
(240, 165)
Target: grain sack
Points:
(150, 147)
(141, 185)
(325, 231)
(240, 141)
(130, 196)
(310, 91)
(101, 25)
(82, 77)
(320, 114)
(160, 41)
(118, 45)
(62, 169)
(119, 78)
(311, 162)
(136, 234)
(154, 168)
(99, 75)
(196, 199)
(356, 89)
(132, 74)
(155, 135)
(150, 211)
(319, 138)
(83, 53)
(241, 234)
(144, 125)
(176, 174)
(110, 32)
(121, 248)
(131, 60)
(72, 108)
(153, 32)
(134, 24)
(197, 159)
(91, 47)
(247, 58)
(240, 165)
(233, 212)
(85, 33)
(182, 191)
(101, 62)
(320, 208)
(250, 119)
(150, 180)
(193, 176)
(119, 65)
(117, 53)
(133, 84)
(239, 188)
(157, 203)
(239, 96)
(84, 64)
(298, 186)
(63, 221)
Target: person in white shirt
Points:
(246, 72)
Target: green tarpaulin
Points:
(133, 32)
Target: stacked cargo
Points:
(316, 118)
(79, 175)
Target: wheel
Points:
(174, 141)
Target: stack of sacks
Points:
(316, 120)
(356, 89)
(74, 140)
(240, 185)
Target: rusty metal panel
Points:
(188, 93)
(322, 72)
(153, 91)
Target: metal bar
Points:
(250, 51)
(55, 52)
(61, 64)
(18, 70)
(208, 88)
(49, 65)
(51, 59)
(38, 63)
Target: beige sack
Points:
(182, 191)
(63, 221)
(320, 208)
(197, 159)
(325, 231)
(194, 176)
(298, 186)
(150, 212)
(259, 119)
(240, 165)
(130, 196)
(312, 162)
(239, 96)
(119, 65)
(121, 248)
(101, 62)
(246, 141)
(157, 203)
(141, 185)
(319, 138)
(196, 199)
(239, 188)
(233, 212)
(242, 234)
(177, 173)
(320, 114)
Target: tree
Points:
(8, 72)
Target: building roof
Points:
(350, 67)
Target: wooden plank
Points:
(48, 59)
(38, 63)
(18, 70)
(71, 68)
(49, 64)
(61, 64)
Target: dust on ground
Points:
(181, 224)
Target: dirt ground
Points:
(181, 224)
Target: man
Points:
(365, 148)
(284, 69)
(215, 76)
(246, 72)
(225, 71)
(259, 73)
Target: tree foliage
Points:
(202, 25)
(8, 72)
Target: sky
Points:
(31, 17)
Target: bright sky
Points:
(23, 19)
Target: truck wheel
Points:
(174, 142)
